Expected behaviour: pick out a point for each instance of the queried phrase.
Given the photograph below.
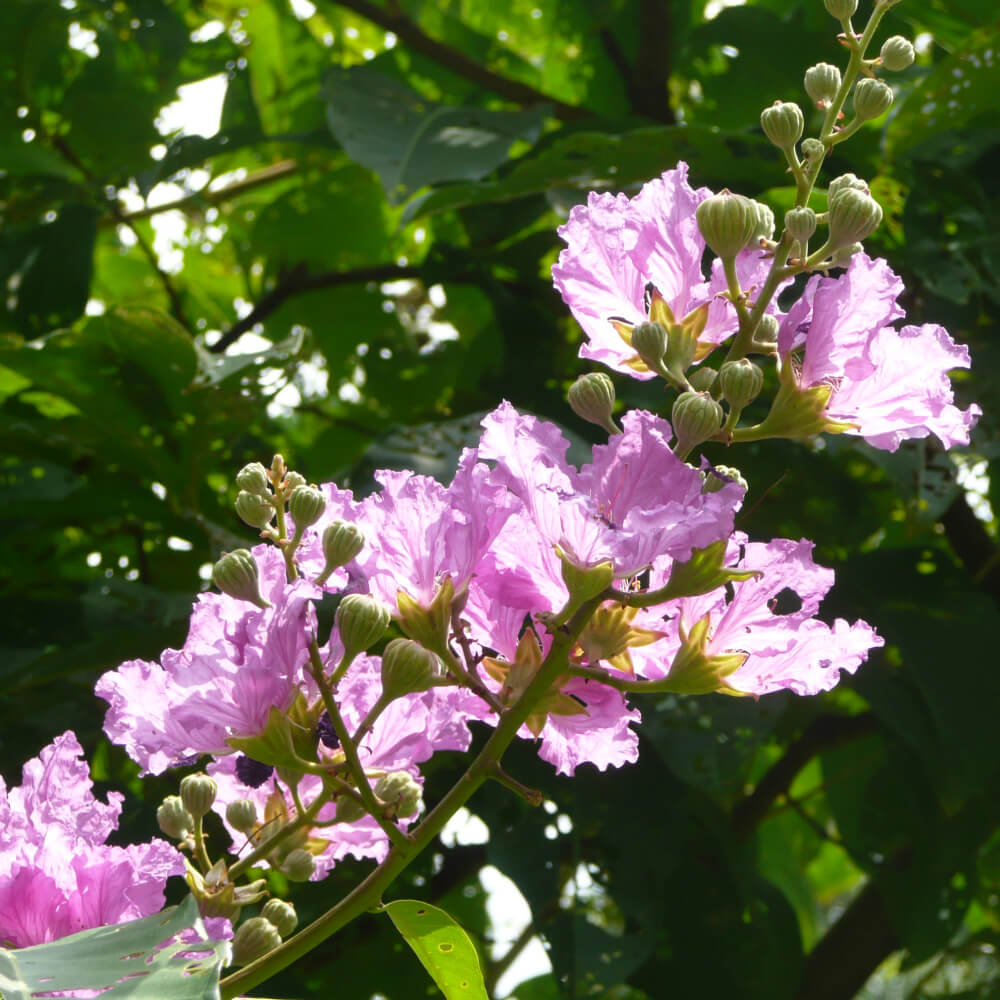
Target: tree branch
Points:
(458, 62)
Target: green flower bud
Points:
(782, 123)
(812, 150)
(253, 479)
(241, 814)
(198, 793)
(592, 398)
(361, 621)
(236, 574)
(800, 223)
(298, 865)
(650, 342)
(306, 506)
(842, 257)
(349, 810)
(845, 182)
(293, 480)
(400, 790)
(713, 483)
(740, 382)
(407, 667)
(765, 222)
(282, 915)
(897, 53)
(174, 819)
(253, 509)
(841, 9)
(703, 378)
(696, 417)
(728, 223)
(766, 334)
(342, 541)
(871, 98)
(253, 939)
(853, 216)
(822, 82)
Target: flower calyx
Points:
(610, 634)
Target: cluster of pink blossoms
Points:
(516, 522)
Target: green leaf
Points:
(410, 141)
(128, 960)
(444, 949)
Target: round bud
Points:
(716, 477)
(812, 150)
(253, 939)
(853, 216)
(845, 182)
(399, 790)
(592, 398)
(800, 223)
(253, 509)
(349, 809)
(822, 82)
(342, 541)
(292, 480)
(282, 915)
(766, 333)
(871, 98)
(650, 342)
(198, 793)
(842, 256)
(407, 667)
(702, 379)
(174, 819)
(897, 53)
(253, 479)
(728, 223)
(696, 417)
(740, 382)
(765, 222)
(782, 123)
(298, 865)
(241, 815)
(841, 9)
(306, 505)
(236, 574)
(361, 621)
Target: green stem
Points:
(200, 851)
(367, 895)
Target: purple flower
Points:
(617, 246)
(237, 663)
(889, 385)
(57, 876)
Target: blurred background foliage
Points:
(235, 227)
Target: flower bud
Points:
(349, 810)
(703, 378)
(822, 82)
(198, 793)
(800, 223)
(696, 417)
(766, 334)
(361, 621)
(728, 223)
(253, 509)
(812, 150)
(342, 541)
(253, 479)
(400, 790)
(845, 182)
(294, 480)
(897, 53)
(740, 382)
(298, 865)
(650, 342)
(236, 574)
(853, 216)
(765, 222)
(715, 478)
(241, 815)
(253, 939)
(782, 123)
(306, 506)
(282, 915)
(174, 819)
(841, 9)
(871, 98)
(842, 257)
(592, 398)
(407, 667)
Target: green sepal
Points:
(694, 671)
(429, 626)
(610, 634)
(287, 738)
(702, 573)
(582, 583)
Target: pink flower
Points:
(617, 246)
(890, 385)
(57, 876)
(237, 663)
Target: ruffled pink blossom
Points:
(769, 619)
(238, 662)
(891, 385)
(57, 876)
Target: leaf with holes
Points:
(444, 949)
